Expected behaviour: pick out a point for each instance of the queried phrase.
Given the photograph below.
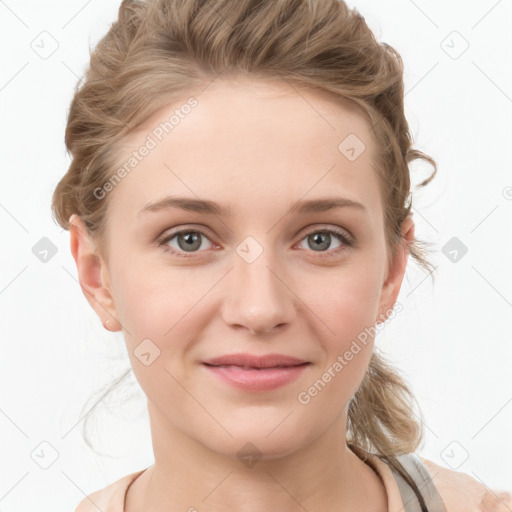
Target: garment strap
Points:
(418, 472)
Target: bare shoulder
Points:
(99, 500)
(463, 493)
(110, 498)
(90, 502)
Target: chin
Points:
(254, 443)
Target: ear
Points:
(93, 274)
(393, 281)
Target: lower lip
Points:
(257, 380)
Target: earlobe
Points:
(392, 284)
(111, 324)
(91, 273)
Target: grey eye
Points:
(188, 241)
(320, 241)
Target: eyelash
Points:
(348, 242)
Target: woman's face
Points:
(262, 277)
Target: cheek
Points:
(159, 311)
(347, 303)
(348, 307)
(151, 299)
(164, 311)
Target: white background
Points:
(452, 341)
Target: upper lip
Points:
(253, 361)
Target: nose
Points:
(258, 296)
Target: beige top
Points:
(459, 491)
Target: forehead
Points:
(245, 140)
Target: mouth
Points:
(256, 378)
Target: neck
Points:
(322, 476)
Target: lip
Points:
(256, 373)
(254, 361)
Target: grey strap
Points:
(420, 475)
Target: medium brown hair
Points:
(160, 50)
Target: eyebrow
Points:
(211, 208)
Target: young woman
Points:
(239, 206)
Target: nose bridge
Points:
(258, 298)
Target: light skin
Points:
(255, 146)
